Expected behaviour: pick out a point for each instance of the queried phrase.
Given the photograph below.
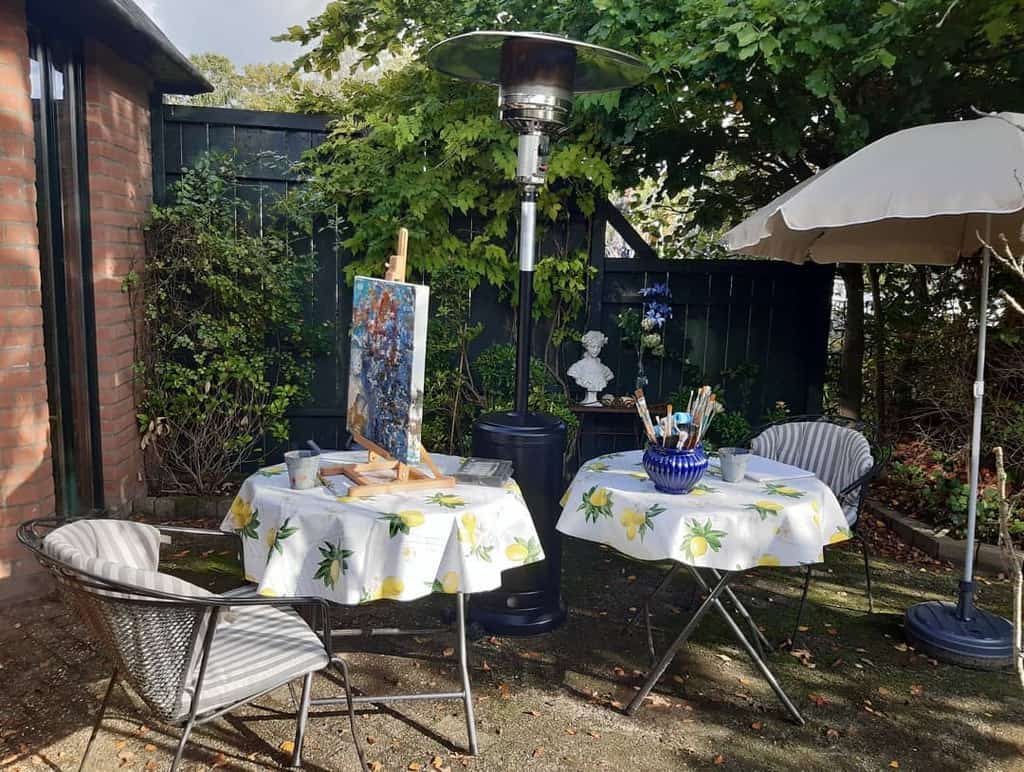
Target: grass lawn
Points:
(551, 702)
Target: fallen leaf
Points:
(534, 713)
(287, 746)
(803, 628)
(371, 740)
(678, 679)
(724, 657)
(538, 751)
(151, 765)
(883, 691)
(616, 704)
(894, 764)
(757, 726)
(448, 652)
(219, 760)
(832, 734)
(901, 647)
(437, 762)
(719, 759)
(415, 766)
(119, 744)
(916, 689)
(656, 701)
(376, 766)
(570, 731)
(595, 735)
(618, 671)
(485, 667)
(149, 748)
(631, 578)
(504, 691)
(141, 730)
(818, 699)
(831, 631)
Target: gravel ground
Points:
(553, 702)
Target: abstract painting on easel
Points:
(388, 355)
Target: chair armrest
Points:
(187, 531)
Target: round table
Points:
(727, 526)
(324, 543)
(397, 546)
(717, 532)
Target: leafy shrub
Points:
(223, 350)
(928, 484)
(496, 366)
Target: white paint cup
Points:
(303, 468)
(733, 463)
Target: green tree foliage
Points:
(262, 86)
(747, 97)
(419, 150)
(224, 350)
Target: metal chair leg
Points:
(867, 571)
(460, 616)
(343, 665)
(300, 720)
(181, 743)
(800, 608)
(99, 720)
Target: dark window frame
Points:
(69, 317)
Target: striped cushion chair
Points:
(189, 654)
(840, 454)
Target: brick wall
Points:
(120, 192)
(26, 472)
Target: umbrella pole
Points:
(961, 633)
(965, 604)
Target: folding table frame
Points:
(756, 651)
(465, 695)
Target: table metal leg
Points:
(762, 642)
(465, 695)
(738, 634)
(467, 699)
(666, 659)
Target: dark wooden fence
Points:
(266, 145)
(772, 318)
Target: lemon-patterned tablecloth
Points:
(727, 526)
(324, 543)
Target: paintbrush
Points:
(645, 415)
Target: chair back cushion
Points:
(153, 643)
(838, 455)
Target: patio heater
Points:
(537, 75)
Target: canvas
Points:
(385, 383)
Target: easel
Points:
(379, 460)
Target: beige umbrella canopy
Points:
(917, 196)
(926, 195)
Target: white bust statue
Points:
(590, 373)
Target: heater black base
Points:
(508, 620)
(529, 601)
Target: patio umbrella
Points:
(927, 195)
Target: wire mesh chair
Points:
(844, 454)
(190, 655)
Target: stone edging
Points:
(182, 507)
(988, 557)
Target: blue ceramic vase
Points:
(675, 470)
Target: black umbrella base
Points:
(985, 642)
